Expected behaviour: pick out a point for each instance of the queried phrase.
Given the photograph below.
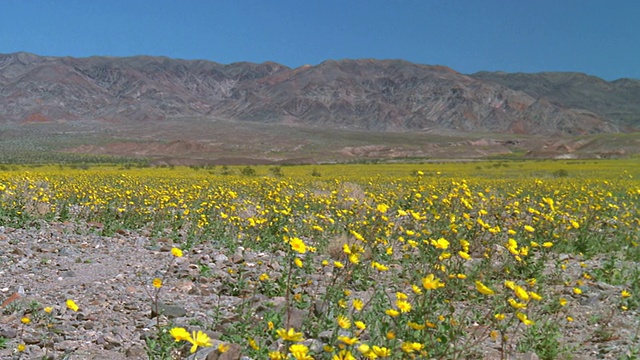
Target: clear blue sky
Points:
(600, 38)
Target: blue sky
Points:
(600, 38)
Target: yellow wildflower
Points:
(343, 322)
(343, 355)
(430, 282)
(441, 243)
(300, 352)
(364, 349)
(72, 305)
(524, 319)
(521, 293)
(176, 252)
(289, 335)
(380, 267)
(347, 340)
(253, 344)
(409, 347)
(357, 304)
(535, 296)
(516, 305)
(298, 245)
(510, 284)
(276, 355)
(199, 338)
(416, 289)
(563, 301)
(392, 312)
(381, 351)
(577, 291)
(180, 334)
(403, 305)
(483, 289)
(223, 348)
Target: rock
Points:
(170, 311)
(314, 345)
(136, 351)
(296, 317)
(234, 353)
(202, 353)
(68, 251)
(31, 339)
(8, 333)
(68, 274)
(326, 335)
(66, 346)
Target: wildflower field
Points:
(427, 261)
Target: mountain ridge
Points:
(368, 94)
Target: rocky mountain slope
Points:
(380, 95)
(617, 100)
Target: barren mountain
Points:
(618, 101)
(379, 95)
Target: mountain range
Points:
(373, 95)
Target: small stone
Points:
(68, 274)
(130, 306)
(30, 339)
(8, 333)
(66, 345)
(136, 351)
(233, 353)
(296, 318)
(170, 311)
(101, 340)
(325, 335)
(314, 345)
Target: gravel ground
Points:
(109, 277)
